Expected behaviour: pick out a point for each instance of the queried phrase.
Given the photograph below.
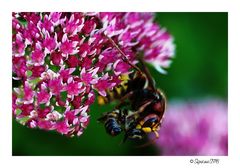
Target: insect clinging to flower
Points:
(141, 105)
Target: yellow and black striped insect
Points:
(141, 105)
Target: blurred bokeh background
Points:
(198, 73)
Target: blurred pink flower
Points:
(194, 128)
(63, 59)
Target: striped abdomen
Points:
(112, 127)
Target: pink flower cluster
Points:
(63, 59)
(195, 128)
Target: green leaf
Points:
(35, 81)
(28, 50)
(47, 59)
(60, 109)
(76, 72)
(53, 101)
(18, 111)
(54, 68)
(23, 21)
(29, 73)
(63, 95)
(42, 106)
(23, 120)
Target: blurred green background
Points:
(198, 71)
